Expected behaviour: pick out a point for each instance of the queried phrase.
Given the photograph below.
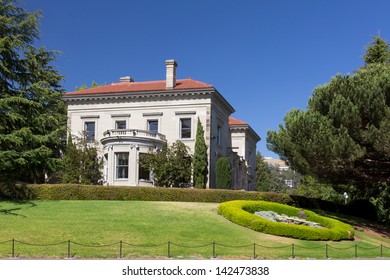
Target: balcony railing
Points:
(134, 133)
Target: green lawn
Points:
(95, 229)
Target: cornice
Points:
(131, 95)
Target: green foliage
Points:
(81, 163)
(382, 203)
(171, 167)
(32, 113)
(223, 173)
(270, 178)
(377, 52)
(200, 163)
(84, 86)
(241, 212)
(263, 174)
(343, 136)
(311, 187)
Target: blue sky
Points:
(264, 57)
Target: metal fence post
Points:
(214, 256)
(68, 249)
(292, 251)
(326, 249)
(381, 250)
(169, 249)
(120, 249)
(254, 251)
(13, 248)
(356, 251)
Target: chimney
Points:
(126, 79)
(171, 73)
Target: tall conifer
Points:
(200, 164)
(32, 113)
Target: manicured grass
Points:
(145, 229)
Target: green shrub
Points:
(241, 212)
(88, 192)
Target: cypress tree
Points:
(223, 173)
(200, 164)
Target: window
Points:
(153, 126)
(89, 128)
(143, 171)
(219, 135)
(185, 128)
(122, 165)
(120, 124)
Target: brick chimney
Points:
(171, 73)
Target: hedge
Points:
(241, 212)
(88, 192)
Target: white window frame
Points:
(190, 128)
(153, 120)
(117, 166)
(87, 132)
(120, 120)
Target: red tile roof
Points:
(123, 87)
(233, 121)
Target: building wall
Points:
(136, 113)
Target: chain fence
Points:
(120, 250)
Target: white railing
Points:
(134, 133)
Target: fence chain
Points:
(121, 243)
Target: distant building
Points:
(130, 119)
(280, 164)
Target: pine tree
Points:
(200, 164)
(377, 52)
(32, 113)
(343, 137)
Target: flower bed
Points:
(242, 212)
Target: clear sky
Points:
(264, 57)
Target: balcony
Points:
(132, 135)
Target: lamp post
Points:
(345, 198)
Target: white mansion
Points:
(130, 119)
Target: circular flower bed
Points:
(242, 212)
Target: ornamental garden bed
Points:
(242, 212)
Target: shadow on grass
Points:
(14, 194)
(358, 223)
(13, 210)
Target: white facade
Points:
(130, 119)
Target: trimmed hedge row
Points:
(87, 192)
(241, 212)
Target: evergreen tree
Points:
(343, 137)
(377, 52)
(200, 166)
(32, 113)
(223, 173)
